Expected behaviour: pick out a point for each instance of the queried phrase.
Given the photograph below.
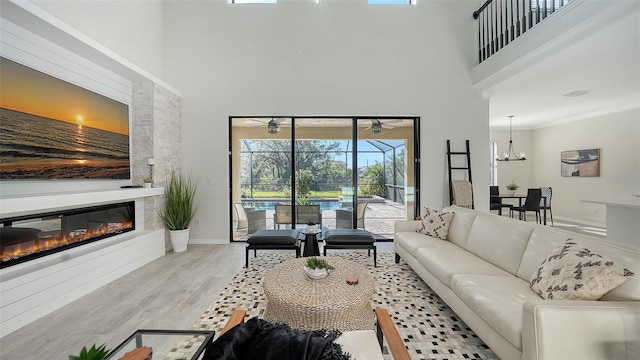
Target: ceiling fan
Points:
(273, 125)
(377, 125)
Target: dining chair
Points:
(546, 193)
(532, 203)
(495, 203)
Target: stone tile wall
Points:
(157, 114)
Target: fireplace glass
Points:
(29, 237)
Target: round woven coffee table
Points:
(328, 303)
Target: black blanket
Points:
(259, 339)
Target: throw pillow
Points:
(572, 271)
(435, 223)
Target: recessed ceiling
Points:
(605, 65)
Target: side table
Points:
(156, 338)
(311, 247)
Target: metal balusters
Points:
(502, 21)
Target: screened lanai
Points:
(319, 163)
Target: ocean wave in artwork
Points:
(35, 147)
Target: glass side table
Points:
(162, 341)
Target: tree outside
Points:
(323, 170)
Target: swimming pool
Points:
(270, 204)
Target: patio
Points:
(379, 219)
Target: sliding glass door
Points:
(327, 172)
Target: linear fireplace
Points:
(25, 238)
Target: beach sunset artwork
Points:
(52, 129)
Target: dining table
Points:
(520, 197)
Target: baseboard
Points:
(209, 241)
(579, 221)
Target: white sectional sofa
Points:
(482, 272)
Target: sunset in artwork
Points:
(53, 129)
(26, 90)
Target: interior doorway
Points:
(334, 172)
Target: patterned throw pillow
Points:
(572, 271)
(435, 223)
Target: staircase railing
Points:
(502, 21)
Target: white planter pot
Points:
(512, 192)
(147, 185)
(179, 239)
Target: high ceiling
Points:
(605, 65)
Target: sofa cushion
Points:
(460, 225)
(573, 272)
(412, 241)
(498, 300)
(500, 241)
(443, 263)
(541, 242)
(435, 223)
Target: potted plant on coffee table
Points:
(179, 208)
(317, 268)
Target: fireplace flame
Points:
(48, 242)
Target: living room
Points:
(215, 60)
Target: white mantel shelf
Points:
(37, 203)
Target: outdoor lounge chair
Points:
(344, 218)
(249, 219)
(305, 214)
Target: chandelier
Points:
(507, 155)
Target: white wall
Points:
(332, 58)
(303, 58)
(618, 138)
(132, 29)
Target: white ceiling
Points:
(607, 64)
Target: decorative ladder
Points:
(466, 168)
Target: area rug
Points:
(428, 327)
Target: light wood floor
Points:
(169, 293)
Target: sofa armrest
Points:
(405, 225)
(577, 329)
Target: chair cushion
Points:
(348, 236)
(360, 344)
(274, 237)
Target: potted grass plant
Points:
(512, 187)
(179, 208)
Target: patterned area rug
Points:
(428, 327)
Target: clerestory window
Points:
(252, 1)
(392, 2)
